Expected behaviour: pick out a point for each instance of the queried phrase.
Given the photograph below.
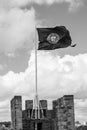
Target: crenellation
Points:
(61, 117)
(28, 104)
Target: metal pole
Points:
(35, 126)
(37, 109)
(36, 89)
(36, 67)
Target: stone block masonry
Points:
(16, 113)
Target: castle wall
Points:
(42, 124)
(61, 117)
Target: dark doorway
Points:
(39, 126)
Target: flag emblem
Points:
(53, 38)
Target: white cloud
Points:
(17, 29)
(73, 4)
(81, 110)
(56, 77)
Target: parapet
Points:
(28, 104)
(43, 104)
(16, 100)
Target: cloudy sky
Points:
(62, 71)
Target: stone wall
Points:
(16, 113)
(61, 117)
(64, 113)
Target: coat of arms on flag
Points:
(53, 38)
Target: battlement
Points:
(61, 117)
(29, 104)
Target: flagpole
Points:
(36, 64)
(37, 105)
(36, 83)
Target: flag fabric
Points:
(73, 45)
(53, 38)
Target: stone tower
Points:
(64, 113)
(16, 113)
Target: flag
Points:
(53, 38)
